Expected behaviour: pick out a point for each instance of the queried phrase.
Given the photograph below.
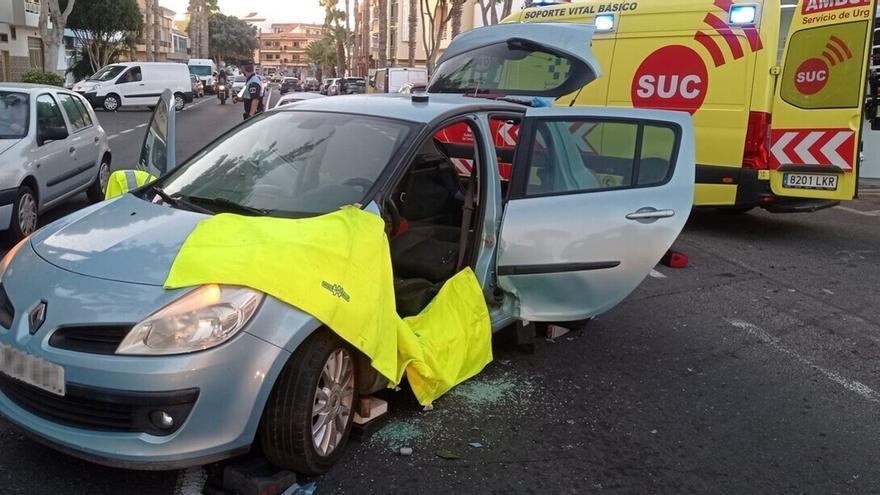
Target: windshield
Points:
(200, 70)
(107, 73)
(291, 164)
(14, 112)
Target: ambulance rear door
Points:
(818, 103)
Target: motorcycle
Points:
(222, 94)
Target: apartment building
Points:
(283, 48)
(21, 48)
(174, 42)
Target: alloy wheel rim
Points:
(178, 102)
(334, 399)
(27, 214)
(110, 103)
(104, 176)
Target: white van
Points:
(204, 69)
(390, 80)
(136, 83)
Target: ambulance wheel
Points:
(308, 418)
(98, 189)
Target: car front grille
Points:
(90, 339)
(99, 409)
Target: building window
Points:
(35, 52)
(4, 38)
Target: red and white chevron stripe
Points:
(813, 147)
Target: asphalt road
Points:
(756, 369)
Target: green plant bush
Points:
(40, 77)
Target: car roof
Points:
(402, 107)
(28, 88)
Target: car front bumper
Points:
(93, 99)
(229, 384)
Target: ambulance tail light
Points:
(757, 149)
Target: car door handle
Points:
(650, 214)
(72, 150)
(97, 139)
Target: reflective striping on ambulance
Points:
(773, 87)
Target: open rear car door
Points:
(820, 94)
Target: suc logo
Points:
(673, 78)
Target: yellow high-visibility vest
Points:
(337, 267)
(123, 181)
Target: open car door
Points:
(597, 196)
(158, 153)
(819, 100)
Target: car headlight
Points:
(7, 260)
(203, 318)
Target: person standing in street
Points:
(253, 91)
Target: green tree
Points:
(53, 19)
(322, 53)
(104, 27)
(232, 39)
(335, 22)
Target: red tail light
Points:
(757, 149)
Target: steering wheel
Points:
(391, 215)
(359, 182)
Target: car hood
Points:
(5, 144)
(124, 240)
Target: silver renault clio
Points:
(560, 220)
(51, 149)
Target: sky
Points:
(272, 10)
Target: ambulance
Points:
(776, 89)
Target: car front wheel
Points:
(111, 103)
(308, 417)
(25, 215)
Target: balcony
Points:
(31, 14)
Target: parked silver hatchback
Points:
(51, 148)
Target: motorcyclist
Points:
(222, 79)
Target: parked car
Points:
(136, 84)
(296, 97)
(51, 149)
(393, 79)
(311, 84)
(326, 84)
(197, 88)
(570, 235)
(351, 86)
(290, 84)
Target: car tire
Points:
(98, 189)
(25, 215)
(293, 408)
(179, 102)
(112, 102)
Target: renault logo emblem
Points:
(37, 316)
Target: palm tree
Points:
(322, 53)
(383, 33)
(148, 30)
(157, 30)
(413, 21)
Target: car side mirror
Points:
(51, 134)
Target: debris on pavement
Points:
(556, 331)
(405, 451)
(476, 445)
(307, 489)
(448, 455)
(428, 408)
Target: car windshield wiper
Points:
(229, 204)
(179, 201)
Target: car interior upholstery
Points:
(430, 199)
